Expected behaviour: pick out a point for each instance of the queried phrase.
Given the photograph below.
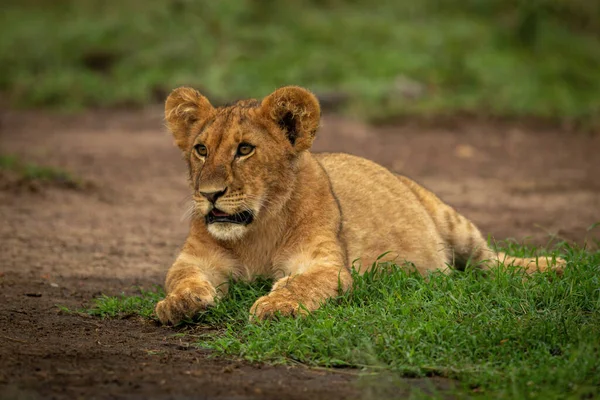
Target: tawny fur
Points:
(315, 215)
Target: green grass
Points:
(505, 58)
(31, 172)
(124, 306)
(498, 335)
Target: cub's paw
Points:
(544, 263)
(280, 302)
(557, 265)
(185, 302)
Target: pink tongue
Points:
(219, 213)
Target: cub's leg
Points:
(313, 273)
(198, 275)
(465, 242)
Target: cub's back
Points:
(381, 214)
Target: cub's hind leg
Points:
(532, 264)
(466, 245)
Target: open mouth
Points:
(215, 215)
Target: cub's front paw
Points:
(185, 302)
(280, 302)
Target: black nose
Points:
(213, 196)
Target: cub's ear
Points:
(183, 107)
(296, 111)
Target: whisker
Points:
(188, 205)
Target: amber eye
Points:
(244, 149)
(201, 150)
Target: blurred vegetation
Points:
(33, 173)
(492, 57)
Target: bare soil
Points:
(65, 245)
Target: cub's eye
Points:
(244, 149)
(201, 150)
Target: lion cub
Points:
(265, 205)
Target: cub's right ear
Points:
(183, 107)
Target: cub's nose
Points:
(213, 196)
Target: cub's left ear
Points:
(183, 107)
(296, 111)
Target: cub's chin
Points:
(229, 227)
(227, 231)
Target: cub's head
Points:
(242, 158)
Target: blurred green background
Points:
(512, 58)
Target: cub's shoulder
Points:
(348, 164)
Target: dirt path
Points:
(61, 246)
